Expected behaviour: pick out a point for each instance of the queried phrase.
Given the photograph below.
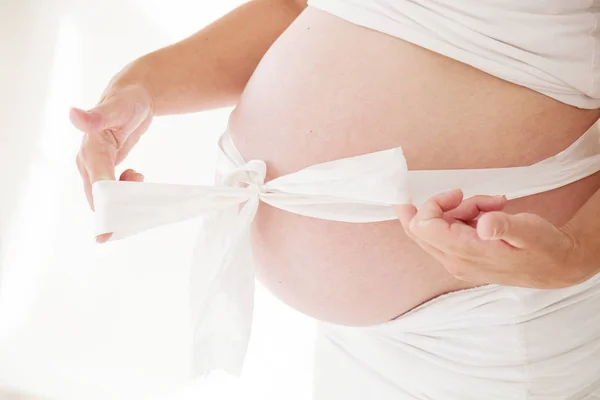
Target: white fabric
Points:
(548, 46)
(492, 342)
(358, 189)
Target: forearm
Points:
(211, 68)
(585, 225)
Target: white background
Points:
(86, 321)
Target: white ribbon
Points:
(357, 189)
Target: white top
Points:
(357, 189)
(549, 46)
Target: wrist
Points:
(584, 247)
(136, 74)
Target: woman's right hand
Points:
(111, 129)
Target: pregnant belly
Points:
(328, 89)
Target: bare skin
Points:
(329, 89)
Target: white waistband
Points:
(358, 189)
(490, 342)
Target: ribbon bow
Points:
(357, 189)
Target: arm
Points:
(210, 68)
(207, 70)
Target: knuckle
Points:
(97, 145)
(111, 136)
(472, 200)
(452, 214)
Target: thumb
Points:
(109, 114)
(104, 137)
(519, 230)
(85, 121)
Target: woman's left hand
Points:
(477, 242)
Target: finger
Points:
(454, 239)
(131, 176)
(472, 223)
(87, 186)
(438, 247)
(502, 226)
(428, 226)
(83, 120)
(470, 208)
(110, 117)
(449, 262)
(100, 144)
(432, 213)
(518, 230)
(435, 207)
(459, 266)
(127, 175)
(132, 140)
(99, 157)
(405, 213)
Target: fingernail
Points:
(103, 238)
(79, 110)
